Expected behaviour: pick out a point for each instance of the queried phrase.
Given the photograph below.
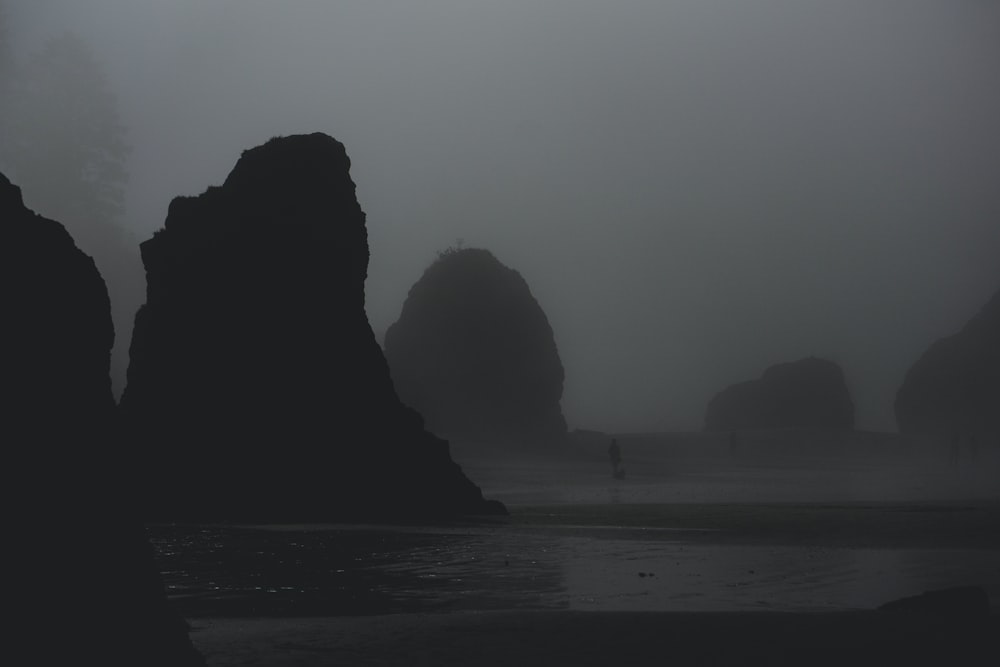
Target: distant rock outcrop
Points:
(79, 565)
(256, 386)
(473, 352)
(805, 394)
(954, 388)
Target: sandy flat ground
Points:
(584, 638)
(595, 564)
(624, 557)
(774, 552)
(973, 524)
(759, 468)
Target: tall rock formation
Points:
(82, 571)
(473, 352)
(805, 394)
(256, 386)
(954, 388)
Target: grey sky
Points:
(694, 189)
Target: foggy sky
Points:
(694, 190)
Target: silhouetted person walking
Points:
(615, 453)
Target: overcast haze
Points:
(694, 190)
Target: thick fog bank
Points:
(695, 191)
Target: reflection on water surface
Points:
(232, 571)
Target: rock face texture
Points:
(256, 386)
(953, 390)
(83, 571)
(806, 394)
(473, 352)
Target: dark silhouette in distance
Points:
(807, 394)
(615, 454)
(474, 353)
(953, 390)
(256, 388)
(79, 565)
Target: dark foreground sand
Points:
(596, 638)
(837, 528)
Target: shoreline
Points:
(972, 524)
(615, 558)
(965, 524)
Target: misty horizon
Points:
(692, 193)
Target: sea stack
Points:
(474, 353)
(953, 390)
(806, 394)
(83, 575)
(256, 389)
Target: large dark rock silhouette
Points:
(78, 562)
(954, 388)
(807, 394)
(256, 386)
(473, 352)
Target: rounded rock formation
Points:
(474, 353)
(805, 394)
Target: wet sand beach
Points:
(687, 557)
(540, 638)
(597, 571)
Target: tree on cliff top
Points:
(66, 142)
(66, 147)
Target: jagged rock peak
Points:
(255, 373)
(56, 303)
(80, 549)
(10, 195)
(300, 181)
